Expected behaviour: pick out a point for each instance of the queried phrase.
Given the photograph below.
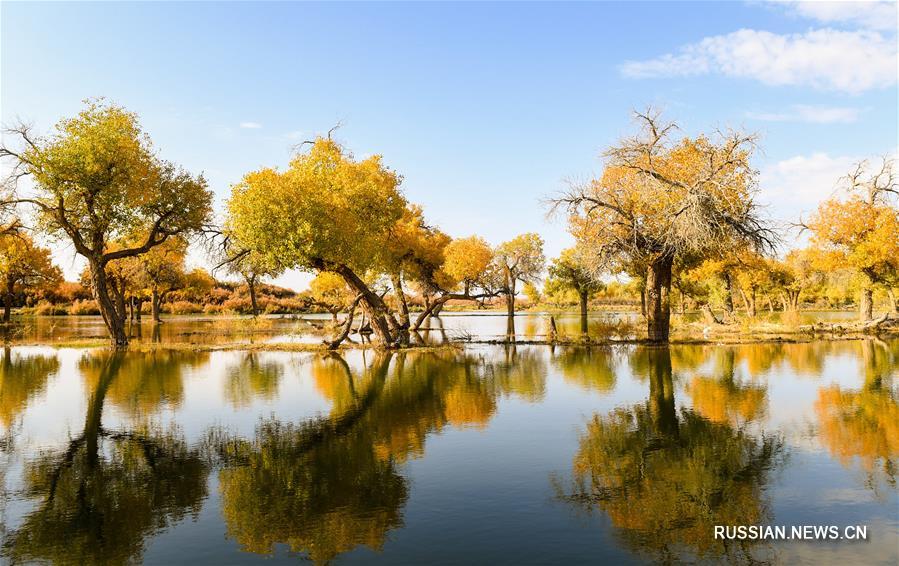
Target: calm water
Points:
(526, 455)
(310, 329)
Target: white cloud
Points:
(813, 114)
(871, 15)
(250, 125)
(828, 59)
(801, 182)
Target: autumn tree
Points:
(660, 199)
(326, 212)
(466, 274)
(862, 231)
(23, 264)
(520, 260)
(161, 272)
(329, 291)
(96, 180)
(570, 269)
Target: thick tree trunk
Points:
(381, 320)
(138, 306)
(866, 304)
(115, 321)
(397, 280)
(894, 304)
(582, 298)
(658, 299)
(8, 299)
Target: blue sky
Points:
(484, 109)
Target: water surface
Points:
(516, 455)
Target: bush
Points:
(212, 309)
(183, 307)
(239, 305)
(45, 308)
(85, 307)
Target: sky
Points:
(485, 109)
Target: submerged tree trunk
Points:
(114, 320)
(658, 299)
(582, 298)
(866, 304)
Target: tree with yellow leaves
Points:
(862, 231)
(23, 264)
(659, 200)
(326, 212)
(572, 272)
(520, 260)
(97, 180)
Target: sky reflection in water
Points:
(494, 454)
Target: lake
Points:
(491, 454)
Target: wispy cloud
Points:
(871, 15)
(813, 114)
(827, 59)
(250, 125)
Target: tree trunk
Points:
(866, 304)
(155, 301)
(728, 295)
(894, 304)
(138, 305)
(749, 301)
(251, 285)
(372, 305)
(8, 299)
(582, 297)
(643, 300)
(658, 299)
(131, 309)
(115, 323)
(397, 280)
(709, 315)
(347, 325)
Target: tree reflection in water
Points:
(864, 423)
(665, 479)
(326, 486)
(252, 378)
(726, 397)
(22, 377)
(109, 490)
